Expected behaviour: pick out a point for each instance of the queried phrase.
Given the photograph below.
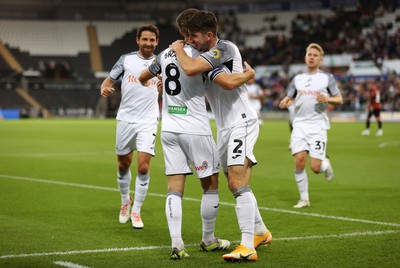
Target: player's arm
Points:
(106, 88)
(190, 66)
(145, 76)
(333, 100)
(232, 81)
(286, 102)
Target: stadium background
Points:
(55, 53)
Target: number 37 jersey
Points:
(184, 106)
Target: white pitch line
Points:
(198, 200)
(69, 264)
(389, 143)
(34, 155)
(106, 250)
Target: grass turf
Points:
(59, 201)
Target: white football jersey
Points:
(230, 107)
(308, 112)
(255, 90)
(138, 103)
(184, 106)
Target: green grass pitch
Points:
(59, 201)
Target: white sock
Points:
(141, 187)
(124, 182)
(209, 212)
(324, 166)
(302, 183)
(245, 212)
(259, 226)
(173, 211)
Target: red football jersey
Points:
(375, 98)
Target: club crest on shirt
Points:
(216, 53)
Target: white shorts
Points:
(183, 150)
(237, 143)
(135, 136)
(313, 141)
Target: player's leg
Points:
(209, 211)
(144, 144)
(124, 181)
(173, 212)
(209, 207)
(300, 149)
(202, 152)
(301, 177)
(377, 113)
(262, 236)
(319, 163)
(245, 208)
(124, 135)
(366, 131)
(141, 187)
(176, 168)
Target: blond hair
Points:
(317, 47)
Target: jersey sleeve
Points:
(219, 54)
(291, 89)
(155, 67)
(117, 70)
(332, 86)
(213, 73)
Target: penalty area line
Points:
(40, 254)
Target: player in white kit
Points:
(311, 93)
(256, 96)
(187, 142)
(137, 121)
(237, 124)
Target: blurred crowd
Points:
(352, 32)
(355, 93)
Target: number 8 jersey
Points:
(184, 106)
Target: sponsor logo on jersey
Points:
(177, 109)
(134, 79)
(307, 92)
(203, 166)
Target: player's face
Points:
(313, 58)
(147, 43)
(200, 41)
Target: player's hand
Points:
(322, 98)
(248, 69)
(285, 103)
(178, 44)
(106, 91)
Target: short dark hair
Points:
(148, 27)
(203, 21)
(183, 18)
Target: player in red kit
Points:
(374, 108)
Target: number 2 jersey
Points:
(308, 112)
(230, 107)
(184, 106)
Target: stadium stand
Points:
(273, 42)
